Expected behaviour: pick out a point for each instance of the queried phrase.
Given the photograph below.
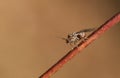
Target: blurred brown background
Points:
(30, 44)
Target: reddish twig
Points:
(107, 25)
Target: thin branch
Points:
(107, 25)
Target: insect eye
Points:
(68, 36)
(67, 41)
(79, 36)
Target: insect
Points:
(75, 37)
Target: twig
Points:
(107, 25)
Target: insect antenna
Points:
(63, 39)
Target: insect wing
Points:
(86, 30)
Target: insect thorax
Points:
(75, 37)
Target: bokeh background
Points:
(30, 32)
